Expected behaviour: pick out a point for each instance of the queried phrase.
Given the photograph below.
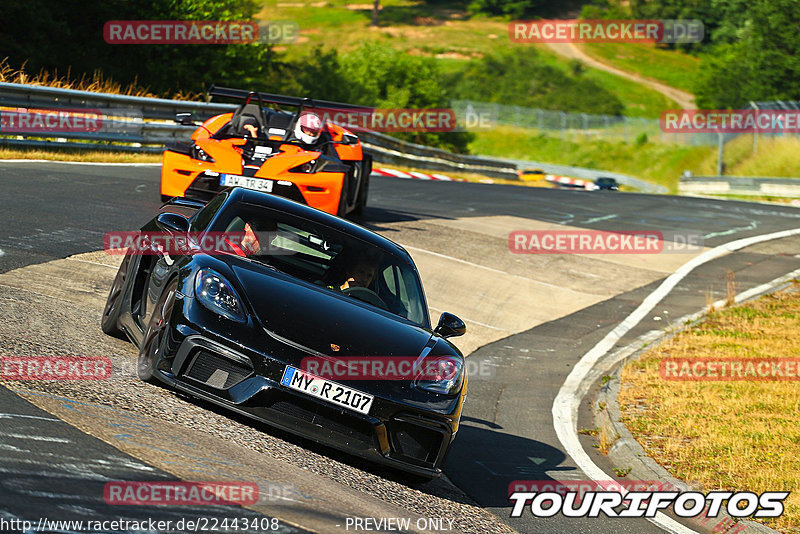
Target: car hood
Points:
(316, 321)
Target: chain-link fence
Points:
(476, 116)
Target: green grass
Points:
(671, 67)
(639, 100)
(655, 162)
(740, 435)
(659, 163)
(449, 34)
(776, 156)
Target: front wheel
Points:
(153, 342)
(113, 307)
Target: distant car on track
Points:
(605, 183)
(531, 175)
(236, 327)
(255, 147)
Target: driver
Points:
(308, 128)
(360, 274)
(250, 127)
(257, 236)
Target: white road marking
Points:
(94, 263)
(598, 219)
(492, 269)
(653, 335)
(752, 226)
(2, 253)
(565, 405)
(477, 322)
(36, 438)
(8, 415)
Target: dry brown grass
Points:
(97, 82)
(742, 435)
(78, 155)
(605, 435)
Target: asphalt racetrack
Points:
(530, 317)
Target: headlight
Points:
(202, 155)
(307, 167)
(440, 374)
(218, 295)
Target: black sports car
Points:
(236, 326)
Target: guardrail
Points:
(142, 124)
(129, 123)
(740, 185)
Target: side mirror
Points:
(173, 222)
(450, 326)
(185, 119)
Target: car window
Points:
(203, 217)
(329, 258)
(396, 284)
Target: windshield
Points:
(327, 258)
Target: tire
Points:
(341, 211)
(153, 340)
(362, 196)
(113, 306)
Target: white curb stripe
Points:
(392, 172)
(411, 174)
(565, 405)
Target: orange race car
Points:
(291, 154)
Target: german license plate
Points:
(234, 180)
(332, 392)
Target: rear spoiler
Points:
(241, 94)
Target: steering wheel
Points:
(367, 295)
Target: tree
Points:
(376, 9)
(759, 59)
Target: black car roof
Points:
(240, 194)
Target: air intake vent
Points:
(216, 371)
(417, 442)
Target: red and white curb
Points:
(414, 175)
(570, 182)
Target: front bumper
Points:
(182, 176)
(247, 381)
